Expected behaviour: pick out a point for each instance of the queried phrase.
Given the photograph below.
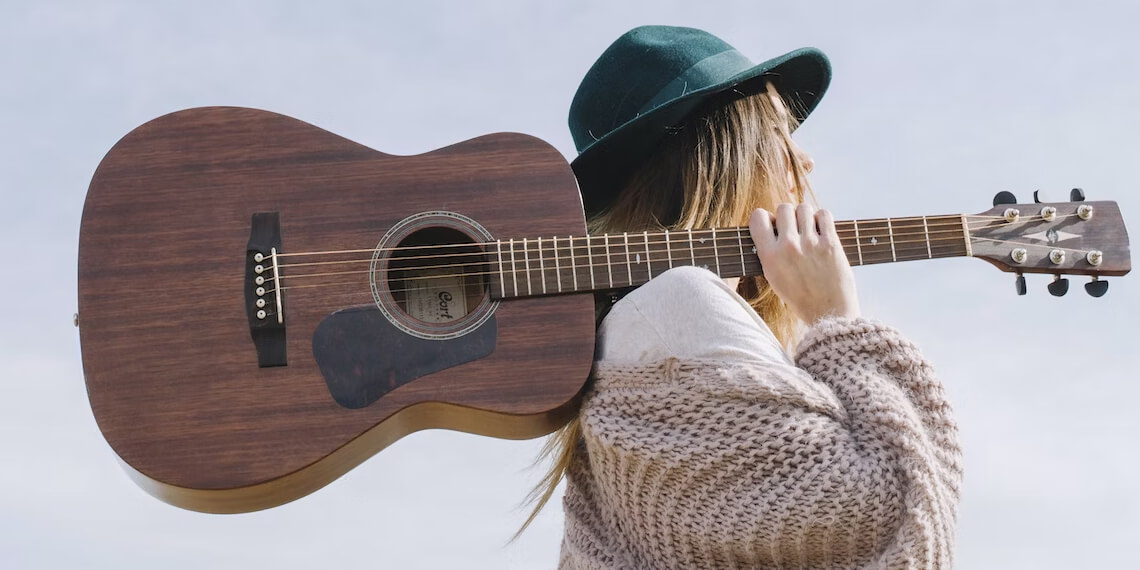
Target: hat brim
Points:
(801, 76)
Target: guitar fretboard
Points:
(556, 265)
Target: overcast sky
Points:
(931, 111)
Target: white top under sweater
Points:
(704, 446)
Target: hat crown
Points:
(631, 73)
(651, 79)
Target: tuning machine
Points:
(1004, 197)
(1019, 284)
(1096, 287)
(1059, 286)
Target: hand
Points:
(804, 262)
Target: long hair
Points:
(731, 156)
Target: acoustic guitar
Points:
(263, 305)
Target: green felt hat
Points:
(650, 79)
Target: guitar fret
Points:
(966, 236)
(557, 266)
(609, 266)
(590, 260)
(628, 265)
(891, 233)
(926, 232)
(514, 271)
(858, 245)
(668, 250)
(716, 251)
(573, 264)
(541, 266)
(692, 248)
(648, 263)
(740, 241)
(502, 276)
(526, 263)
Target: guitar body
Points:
(206, 419)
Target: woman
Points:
(701, 443)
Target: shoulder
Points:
(686, 312)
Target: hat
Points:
(650, 79)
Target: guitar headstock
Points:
(1056, 238)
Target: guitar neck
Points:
(559, 265)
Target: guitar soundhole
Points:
(430, 275)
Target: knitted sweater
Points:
(849, 461)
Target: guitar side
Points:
(171, 370)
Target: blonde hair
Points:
(731, 156)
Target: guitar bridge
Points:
(264, 304)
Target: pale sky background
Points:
(931, 111)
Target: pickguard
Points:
(363, 356)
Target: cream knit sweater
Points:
(850, 461)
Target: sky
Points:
(934, 107)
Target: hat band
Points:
(708, 71)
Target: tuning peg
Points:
(1019, 284)
(1096, 287)
(1004, 197)
(1036, 197)
(1059, 286)
(1076, 195)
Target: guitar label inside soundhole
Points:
(436, 296)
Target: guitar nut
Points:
(1094, 257)
(1019, 255)
(1057, 256)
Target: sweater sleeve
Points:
(850, 460)
(893, 396)
(872, 368)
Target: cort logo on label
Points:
(444, 302)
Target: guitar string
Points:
(589, 239)
(527, 271)
(561, 248)
(955, 223)
(1001, 222)
(1028, 245)
(897, 242)
(574, 258)
(952, 219)
(732, 248)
